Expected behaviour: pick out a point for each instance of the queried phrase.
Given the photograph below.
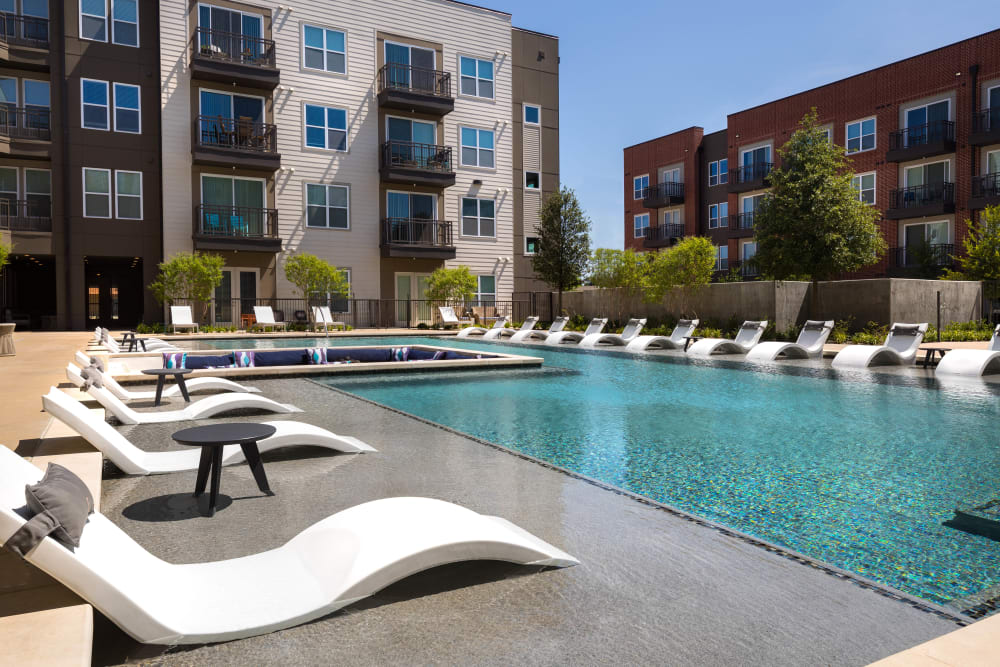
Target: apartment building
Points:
(79, 161)
(923, 135)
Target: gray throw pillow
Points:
(900, 330)
(66, 498)
(814, 325)
(97, 363)
(91, 378)
(750, 325)
(684, 323)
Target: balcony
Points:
(985, 127)
(22, 215)
(659, 236)
(25, 133)
(416, 164)
(927, 259)
(415, 89)
(232, 58)
(921, 141)
(985, 191)
(220, 227)
(663, 194)
(749, 177)
(417, 238)
(741, 224)
(921, 200)
(228, 142)
(24, 40)
(747, 269)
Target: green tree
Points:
(5, 250)
(186, 275)
(813, 223)
(451, 286)
(625, 270)
(982, 248)
(315, 277)
(563, 242)
(687, 267)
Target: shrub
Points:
(964, 331)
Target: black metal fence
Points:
(395, 76)
(755, 171)
(411, 155)
(917, 196)
(238, 134)
(664, 232)
(921, 135)
(234, 47)
(410, 231)
(24, 30)
(926, 255)
(236, 221)
(986, 120)
(26, 123)
(991, 301)
(986, 186)
(664, 190)
(26, 215)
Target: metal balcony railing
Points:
(987, 120)
(237, 134)
(986, 186)
(410, 155)
(28, 31)
(664, 190)
(923, 255)
(394, 76)
(234, 47)
(411, 231)
(742, 220)
(755, 171)
(28, 123)
(26, 215)
(237, 222)
(922, 135)
(922, 195)
(664, 232)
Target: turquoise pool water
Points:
(858, 474)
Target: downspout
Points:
(974, 75)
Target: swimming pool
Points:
(857, 474)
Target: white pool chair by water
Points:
(675, 341)
(809, 344)
(151, 344)
(340, 560)
(596, 326)
(557, 325)
(73, 374)
(448, 316)
(180, 316)
(200, 409)
(628, 334)
(133, 461)
(748, 336)
(499, 324)
(497, 334)
(900, 349)
(265, 318)
(324, 318)
(972, 363)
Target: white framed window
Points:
(718, 172)
(718, 215)
(922, 234)
(865, 185)
(640, 225)
(721, 258)
(9, 183)
(639, 185)
(324, 49)
(532, 180)
(477, 148)
(671, 176)
(328, 206)
(927, 123)
(992, 162)
(341, 304)
(672, 217)
(96, 193)
(37, 97)
(128, 117)
(530, 245)
(94, 104)
(326, 127)
(94, 20)
(479, 217)
(929, 174)
(486, 289)
(860, 135)
(125, 22)
(128, 195)
(476, 77)
(532, 114)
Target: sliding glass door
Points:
(233, 206)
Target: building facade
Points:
(923, 135)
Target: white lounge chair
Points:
(448, 316)
(324, 318)
(112, 346)
(809, 344)
(900, 349)
(265, 318)
(134, 461)
(684, 329)
(500, 323)
(180, 316)
(557, 325)
(631, 330)
(972, 363)
(73, 374)
(497, 334)
(200, 409)
(748, 336)
(596, 326)
(342, 559)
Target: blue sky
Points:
(632, 71)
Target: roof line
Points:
(535, 32)
(489, 9)
(693, 127)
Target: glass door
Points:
(410, 67)
(413, 141)
(223, 299)
(249, 215)
(248, 292)
(403, 296)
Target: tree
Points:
(5, 250)
(563, 242)
(315, 277)
(982, 248)
(186, 275)
(451, 285)
(813, 223)
(619, 269)
(687, 266)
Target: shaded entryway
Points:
(113, 291)
(28, 292)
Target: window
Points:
(930, 175)
(127, 115)
(532, 114)
(37, 101)
(530, 245)
(94, 98)
(478, 217)
(672, 217)
(925, 123)
(861, 135)
(324, 49)
(232, 34)
(128, 195)
(670, 176)
(96, 193)
(94, 20)
(827, 134)
(532, 180)
(718, 172)
(341, 303)
(721, 258)
(326, 127)
(865, 185)
(125, 22)
(486, 291)
(641, 224)
(639, 185)
(411, 67)
(718, 215)
(38, 192)
(926, 233)
(749, 249)
(8, 184)
(477, 148)
(477, 77)
(327, 206)
(992, 163)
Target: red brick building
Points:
(923, 134)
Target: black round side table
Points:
(212, 439)
(161, 375)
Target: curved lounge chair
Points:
(596, 326)
(900, 349)
(748, 336)
(557, 325)
(205, 407)
(497, 334)
(194, 384)
(134, 461)
(631, 330)
(809, 344)
(500, 323)
(972, 363)
(112, 346)
(448, 316)
(684, 329)
(342, 559)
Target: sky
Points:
(633, 71)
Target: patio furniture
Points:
(180, 316)
(7, 340)
(809, 344)
(748, 336)
(498, 323)
(629, 333)
(900, 349)
(679, 337)
(194, 384)
(931, 353)
(206, 407)
(596, 326)
(148, 345)
(448, 316)
(496, 334)
(265, 318)
(300, 317)
(557, 325)
(323, 317)
(971, 363)
(161, 375)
